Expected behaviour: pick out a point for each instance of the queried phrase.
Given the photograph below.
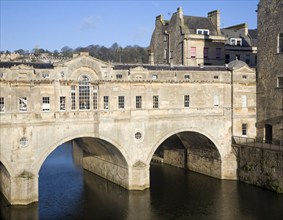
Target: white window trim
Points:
(235, 39)
(202, 31)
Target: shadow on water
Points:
(68, 192)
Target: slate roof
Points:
(168, 67)
(34, 65)
(193, 23)
(253, 35)
(247, 40)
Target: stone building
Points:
(119, 115)
(270, 71)
(187, 40)
(241, 44)
(191, 41)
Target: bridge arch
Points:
(7, 165)
(121, 153)
(181, 130)
(201, 154)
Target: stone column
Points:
(139, 176)
(23, 189)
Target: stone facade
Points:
(192, 41)
(241, 44)
(270, 71)
(119, 114)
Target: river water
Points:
(68, 192)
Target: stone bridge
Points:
(119, 115)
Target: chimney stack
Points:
(214, 17)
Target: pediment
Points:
(138, 68)
(244, 69)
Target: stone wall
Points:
(5, 181)
(270, 65)
(261, 167)
(115, 173)
(175, 157)
(204, 165)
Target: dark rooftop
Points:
(168, 67)
(34, 65)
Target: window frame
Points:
(205, 52)
(280, 43)
(121, 102)
(155, 102)
(138, 102)
(23, 107)
(106, 102)
(62, 103)
(218, 52)
(46, 104)
(73, 97)
(244, 129)
(280, 82)
(186, 101)
(84, 92)
(2, 104)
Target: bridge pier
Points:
(21, 189)
(133, 178)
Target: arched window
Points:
(84, 92)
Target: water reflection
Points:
(68, 192)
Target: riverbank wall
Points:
(260, 167)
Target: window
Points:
(138, 102)
(186, 101)
(202, 31)
(119, 76)
(45, 104)
(73, 97)
(248, 59)
(186, 76)
(244, 77)
(216, 101)
(23, 104)
(244, 129)
(280, 43)
(95, 100)
(215, 77)
(121, 102)
(62, 103)
(205, 52)
(165, 54)
(218, 53)
(165, 37)
(193, 52)
(45, 75)
(154, 76)
(244, 101)
(84, 93)
(2, 104)
(236, 41)
(280, 82)
(238, 57)
(106, 102)
(227, 58)
(155, 101)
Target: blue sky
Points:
(54, 24)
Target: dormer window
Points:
(202, 31)
(236, 41)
